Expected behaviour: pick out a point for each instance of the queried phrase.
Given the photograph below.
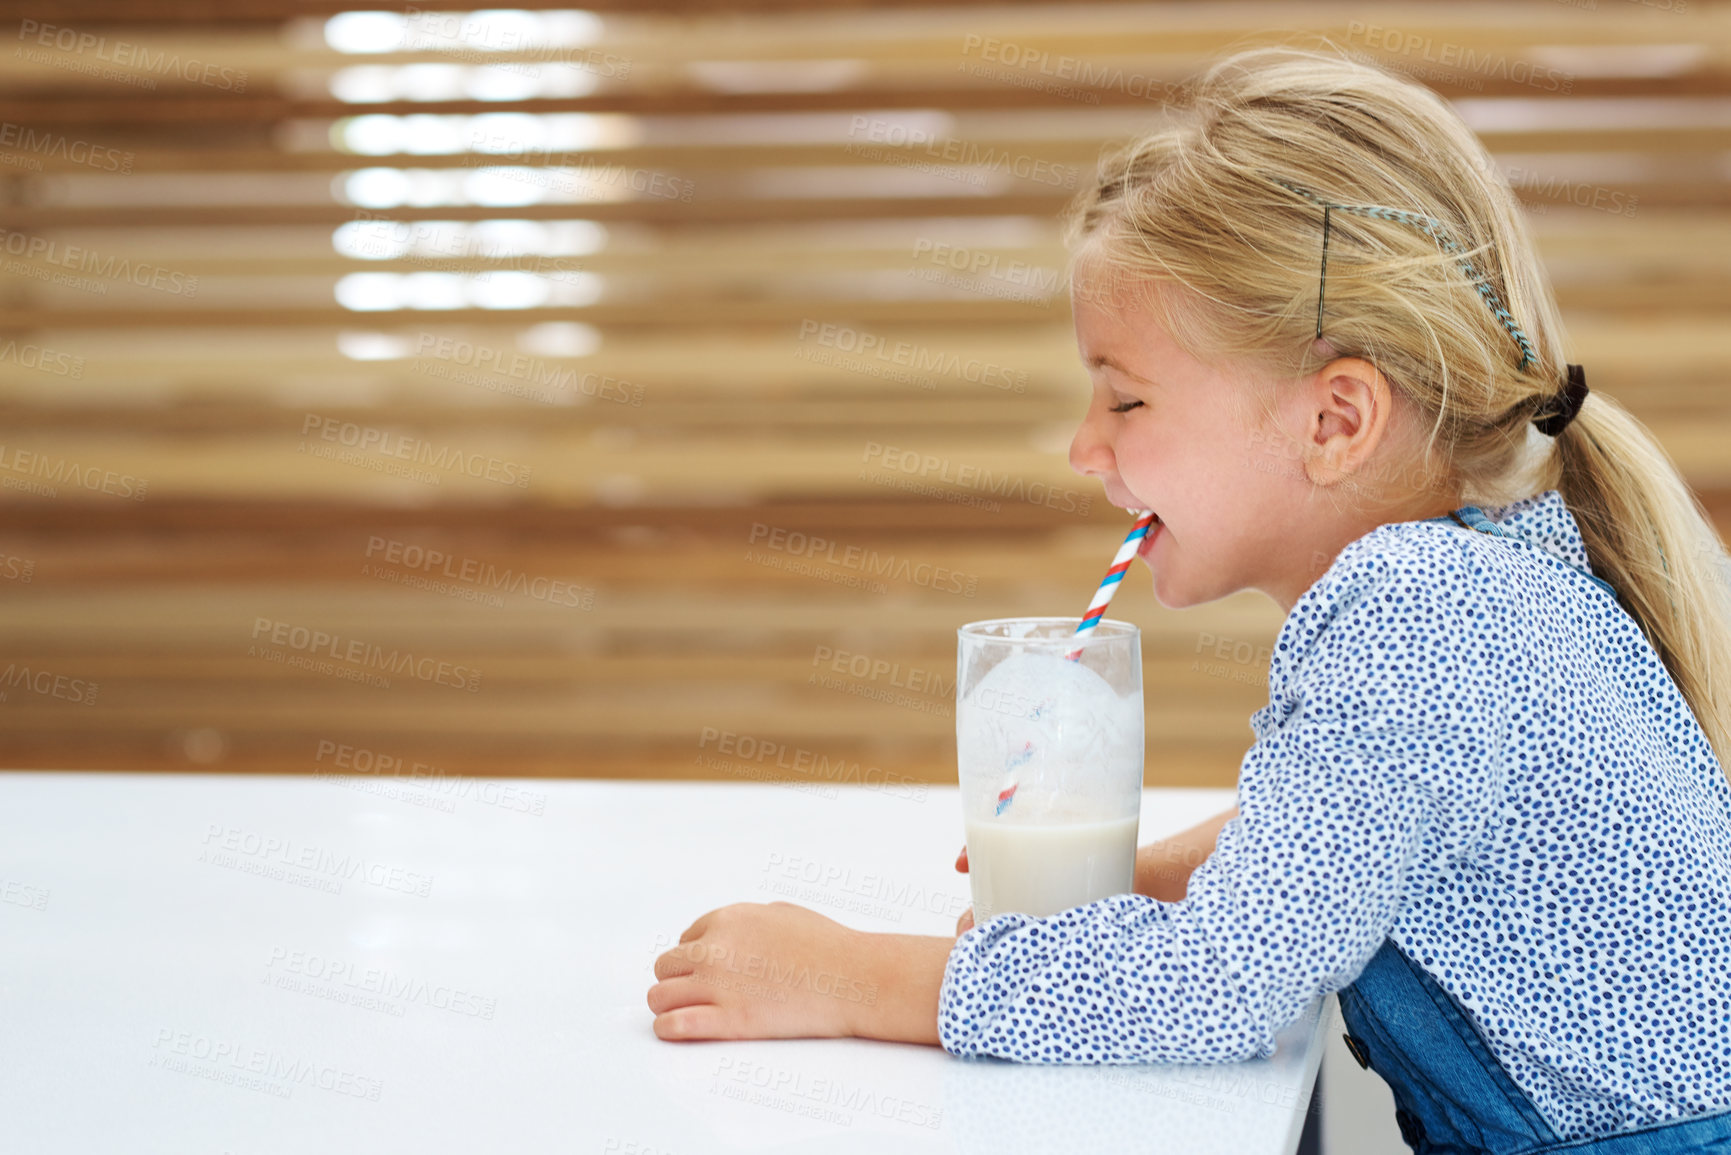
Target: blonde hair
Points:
(1207, 206)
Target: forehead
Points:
(1130, 333)
(1113, 327)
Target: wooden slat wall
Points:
(179, 214)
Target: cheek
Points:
(1134, 456)
(1147, 447)
(1170, 467)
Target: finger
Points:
(670, 964)
(962, 860)
(965, 923)
(696, 928)
(678, 992)
(694, 1022)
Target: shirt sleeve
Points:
(1384, 768)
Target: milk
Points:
(1041, 869)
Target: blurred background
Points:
(652, 389)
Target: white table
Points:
(208, 963)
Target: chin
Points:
(1171, 595)
(1175, 595)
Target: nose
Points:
(1090, 453)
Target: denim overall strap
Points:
(1451, 1095)
(1475, 518)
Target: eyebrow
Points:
(1107, 359)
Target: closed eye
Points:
(1125, 407)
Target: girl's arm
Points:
(1163, 868)
(910, 968)
(777, 970)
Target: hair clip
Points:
(1437, 232)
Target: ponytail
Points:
(1648, 536)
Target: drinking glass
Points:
(1049, 758)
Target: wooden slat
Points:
(1080, 147)
(202, 109)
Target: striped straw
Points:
(1096, 610)
(1114, 577)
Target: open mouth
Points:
(1147, 542)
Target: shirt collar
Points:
(1544, 521)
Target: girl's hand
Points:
(762, 971)
(1163, 868)
(965, 923)
(780, 971)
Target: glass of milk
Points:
(1067, 735)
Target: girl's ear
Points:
(1348, 403)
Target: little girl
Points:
(1486, 802)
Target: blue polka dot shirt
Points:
(1469, 748)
